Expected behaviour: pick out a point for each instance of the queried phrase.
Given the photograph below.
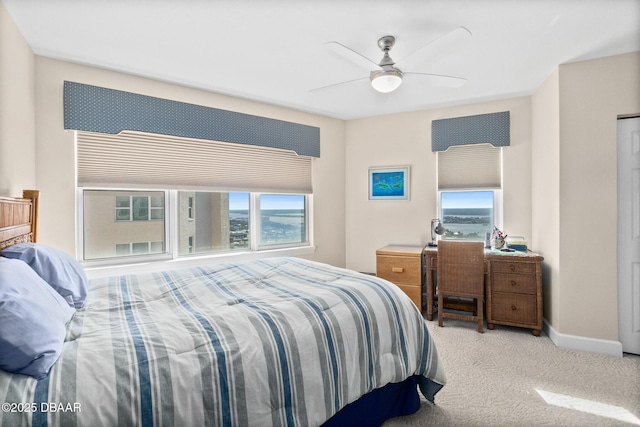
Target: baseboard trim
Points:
(575, 342)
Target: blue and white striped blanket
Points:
(280, 341)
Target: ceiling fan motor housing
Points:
(389, 77)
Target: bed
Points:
(274, 341)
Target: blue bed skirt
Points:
(374, 408)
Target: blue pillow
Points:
(57, 268)
(33, 319)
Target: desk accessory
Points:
(436, 228)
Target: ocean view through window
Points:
(467, 215)
(282, 219)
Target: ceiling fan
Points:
(385, 77)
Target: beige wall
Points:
(55, 151)
(405, 139)
(574, 192)
(17, 116)
(545, 190)
(592, 95)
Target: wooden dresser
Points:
(402, 265)
(514, 290)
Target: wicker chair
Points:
(461, 276)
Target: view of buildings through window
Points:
(125, 223)
(467, 215)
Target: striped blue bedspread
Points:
(278, 341)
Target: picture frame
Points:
(389, 183)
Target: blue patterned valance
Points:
(98, 109)
(492, 128)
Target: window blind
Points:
(470, 166)
(143, 160)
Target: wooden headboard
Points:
(19, 218)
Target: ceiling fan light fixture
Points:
(386, 81)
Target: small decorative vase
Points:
(498, 243)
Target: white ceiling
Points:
(275, 51)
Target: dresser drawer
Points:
(413, 292)
(513, 267)
(399, 269)
(514, 308)
(517, 283)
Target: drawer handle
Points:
(512, 267)
(513, 307)
(397, 269)
(513, 283)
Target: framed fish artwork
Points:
(389, 183)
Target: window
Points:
(123, 249)
(239, 235)
(186, 219)
(205, 222)
(470, 191)
(139, 248)
(467, 215)
(282, 219)
(190, 208)
(212, 222)
(138, 227)
(139, 208)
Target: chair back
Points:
(461, 268)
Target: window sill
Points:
(94, 271)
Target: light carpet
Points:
(507, 376)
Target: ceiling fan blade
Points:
(440, 80)
(441, 44)
(352, 55)
(337, 84)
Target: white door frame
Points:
(628, 255)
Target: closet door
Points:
(629, 234)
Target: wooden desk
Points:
(513, 287)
